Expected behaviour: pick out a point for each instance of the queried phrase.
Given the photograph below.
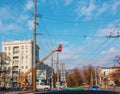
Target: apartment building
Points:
(21, 59)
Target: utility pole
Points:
(57, 71)
(34, 48)
(91, 77)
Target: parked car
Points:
(93, 87)
(42, 86)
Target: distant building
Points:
(108, 75)
(21, 55)
(105, 71)
(44, 72)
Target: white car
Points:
(42, 86)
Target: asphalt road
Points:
(62, 92)
(75, 92)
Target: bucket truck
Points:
(24, 75)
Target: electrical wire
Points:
(12, 11)
(45, 28)
(22, 4)
(47, 33)
(98, 50)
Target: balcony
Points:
(15, 64)
(15, 68)
(16, 54)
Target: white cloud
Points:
(109, 30)
(105, 31)
(71, 56)
(109, 7)
(23, 17)
(92, 8)
(115, 5)
(10, 27)
(86, 10)
(68, 2)
(62, 42)
(102, 9)
(29, 5)
(30, 24)
(110, 51)
(106, 57)
(5, 13)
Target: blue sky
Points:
(81, 26)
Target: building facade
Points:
(108, 75)
(21, 59)
(44, 72)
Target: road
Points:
(63, 92)
(103, 91)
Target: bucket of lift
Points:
(59, 49)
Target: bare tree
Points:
(3, 61)
(77, 77)
(70, 79)
(88, 74)
(117, 60)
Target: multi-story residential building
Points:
(21, 58)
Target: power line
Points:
(47, 32)
(40, 17)
(93, 59)
(12, 11)
(93, 55)
(67, 20)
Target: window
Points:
(22, 47)
(26, 67)
(9, 48)
(16, 50)
(22, 57)
(22, 67)
(26, 47)
(5, 48)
